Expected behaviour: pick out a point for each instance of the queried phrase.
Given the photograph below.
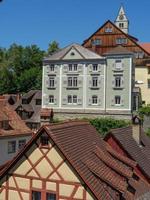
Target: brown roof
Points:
(31, 96)
(105, 175)
(118, 50)
(140, 154)
(145, 46)
(17, 126)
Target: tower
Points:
(121, 21)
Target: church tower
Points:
(121, 21)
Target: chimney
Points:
(136, 129)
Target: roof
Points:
(140, 154)
(84, 52)
(105, 175)
(31, 106)
(145, 46)
(133, 39)
(119, 50)
(17, 126)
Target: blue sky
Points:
(39, 22)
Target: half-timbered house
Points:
(69, 161)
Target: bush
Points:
(144, 111)
(103, 125)
(148, 132)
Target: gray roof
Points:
(84, 52)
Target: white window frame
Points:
(118, 82)
(95, 81)
(12, 146)
(51, 99)
(95, 67)
(51, 82)
(94, 100)
(72, 81)
(52, 67)
(117, 100)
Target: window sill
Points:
(72, 88)
(51, 88)
(95, 88)
(118, 88)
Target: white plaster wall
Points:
(4, 156)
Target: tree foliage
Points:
(103, 125)
(21, 67)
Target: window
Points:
(69, 99)
(50, 196)
(95, 67)
(96, 42)
(94, 81)
(72, 81)
(11, 146)
(52, 67)
(118, 64)
(51, 82)
(5, 125)
(73, 67)
(24, 101)
(21, 143)
(36, 195)
(74, 99)
(108, 30)
(118, 81)
(117, 100)
(51, 98)
(94, 99)
(121, 41)
(38, 101)
(44, 140)
(148, 83)
(121, 25)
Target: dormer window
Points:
(38, 101)
(24, 101)
(44, 140)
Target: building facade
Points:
(14, 134)
(78, 82)
(110, 35)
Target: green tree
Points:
(53, 47)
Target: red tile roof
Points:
(145, 46)
(106, 176)
(17, 126)
(140, 154)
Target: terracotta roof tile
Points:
(17, 126)
(140, 154)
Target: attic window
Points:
(24, 101)
(44, 140)
(108, 30)
(96, 42)
(72, 54)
